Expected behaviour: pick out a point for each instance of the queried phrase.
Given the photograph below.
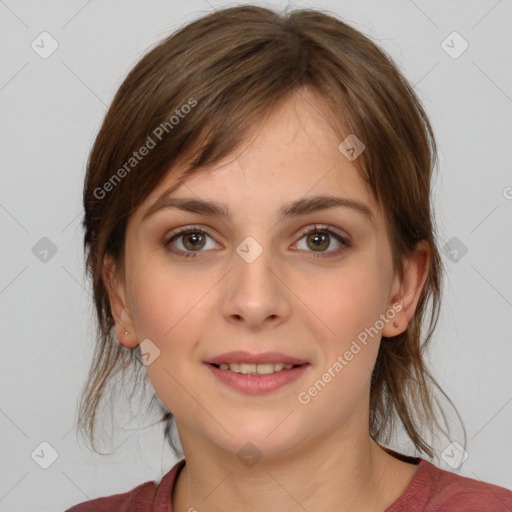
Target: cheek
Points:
(349, 305)
(350, 300)
(166, 305)
(160, 293)
(172, 306)
(170, 313)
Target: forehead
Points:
(293, 152)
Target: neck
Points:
(333, 474)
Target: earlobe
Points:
(124, 327)
(410, 287)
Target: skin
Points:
(318, 456)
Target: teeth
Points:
(255, 369)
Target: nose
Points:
(255, 293)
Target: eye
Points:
(192, 239)
(320, 238)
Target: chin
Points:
(261, 438)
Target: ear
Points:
(125, 329)
(406, 290)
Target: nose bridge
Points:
(255, 292)
(252, 265)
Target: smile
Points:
(256, 369)
(257, 379)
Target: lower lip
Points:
(258, 384)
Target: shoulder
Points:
(456, 491)
(141, 497)
(145, 497)
(438, 490)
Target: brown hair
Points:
(231, 67)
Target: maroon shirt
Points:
(430, 490)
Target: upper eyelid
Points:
(326, 227)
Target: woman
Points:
(259, 234)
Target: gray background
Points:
(51, 110)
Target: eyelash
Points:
(345, 244)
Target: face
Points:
(306, 285)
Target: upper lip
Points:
(241, 356)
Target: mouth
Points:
(255, 369)
(256, 374)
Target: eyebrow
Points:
(297, 208)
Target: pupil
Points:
(319, 237)
(196, 238)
